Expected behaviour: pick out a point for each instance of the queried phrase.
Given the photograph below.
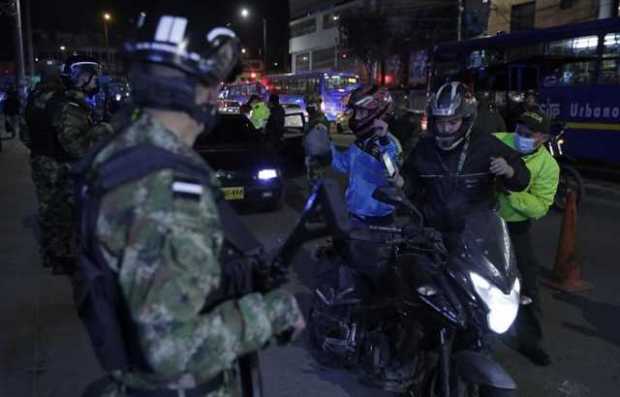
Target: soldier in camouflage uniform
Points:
(315, 167)
(162, 235)
(45, 170)
(69, 135)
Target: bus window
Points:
(610, 71)
(611, 47)
(579, 47)
(341, 82)
(571, 74)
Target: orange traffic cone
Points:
(567, 268)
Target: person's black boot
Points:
(537, 355)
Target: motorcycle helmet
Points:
(77, 66)
(171, 56)
(452, 102)
(366, 104)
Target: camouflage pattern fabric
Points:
(49, 177)
(76, 134)
(314, 169)
(75, 127)
(164, 246)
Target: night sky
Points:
(85, 15)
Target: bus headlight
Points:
(502, 307)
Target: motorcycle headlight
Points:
(502, 307)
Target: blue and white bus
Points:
(574, 68)
(240, 92)
(333, 87)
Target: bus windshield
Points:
(338, 82)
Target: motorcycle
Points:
(427, 329)
(570, 178)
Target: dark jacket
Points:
(275, 123)
(445, 196)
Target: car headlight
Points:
(502, 307)
(267, 174)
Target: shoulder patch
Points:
(187, 188)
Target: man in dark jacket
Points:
(454, 172)
(275, 123)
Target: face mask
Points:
(525, 145)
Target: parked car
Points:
(244, 162)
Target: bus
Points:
(575, 69)
(333, 87)
(239, 93)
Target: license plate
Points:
(233, 193)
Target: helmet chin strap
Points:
(449, 143)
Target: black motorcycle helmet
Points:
(170, 56)
(366, 104)
(452, 101)
(77, 66)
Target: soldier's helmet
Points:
(78, 65)
(170, 56)
(171, 40)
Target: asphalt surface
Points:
(44, 351)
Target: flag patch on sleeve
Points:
(187, 189)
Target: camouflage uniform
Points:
(46, 171)
(164, 247)
(314, 169)
(75, 133)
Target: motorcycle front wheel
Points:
(570, 179)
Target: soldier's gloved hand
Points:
(266, 278)
(287, 321)
(121, 118)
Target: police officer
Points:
(162, 235)
(520, 210)
(71, 135)
(452, 172)
(259, 112)
(45, 167)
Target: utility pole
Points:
(265, 43)
(20, 74)
(29, 45)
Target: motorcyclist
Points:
(453, 172)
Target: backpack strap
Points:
(139, 161)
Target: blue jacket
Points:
(365, 174)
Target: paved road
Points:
(45, 353)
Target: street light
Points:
(243, 51)
(63, 48)
(245, 14)
(106, 18)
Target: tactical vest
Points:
(100, 301)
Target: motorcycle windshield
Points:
(485, 248)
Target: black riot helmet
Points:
(170, 56)
(77, 66)
(453, 102)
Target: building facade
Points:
(515, 15)
(315, 39)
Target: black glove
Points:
(122, 118)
